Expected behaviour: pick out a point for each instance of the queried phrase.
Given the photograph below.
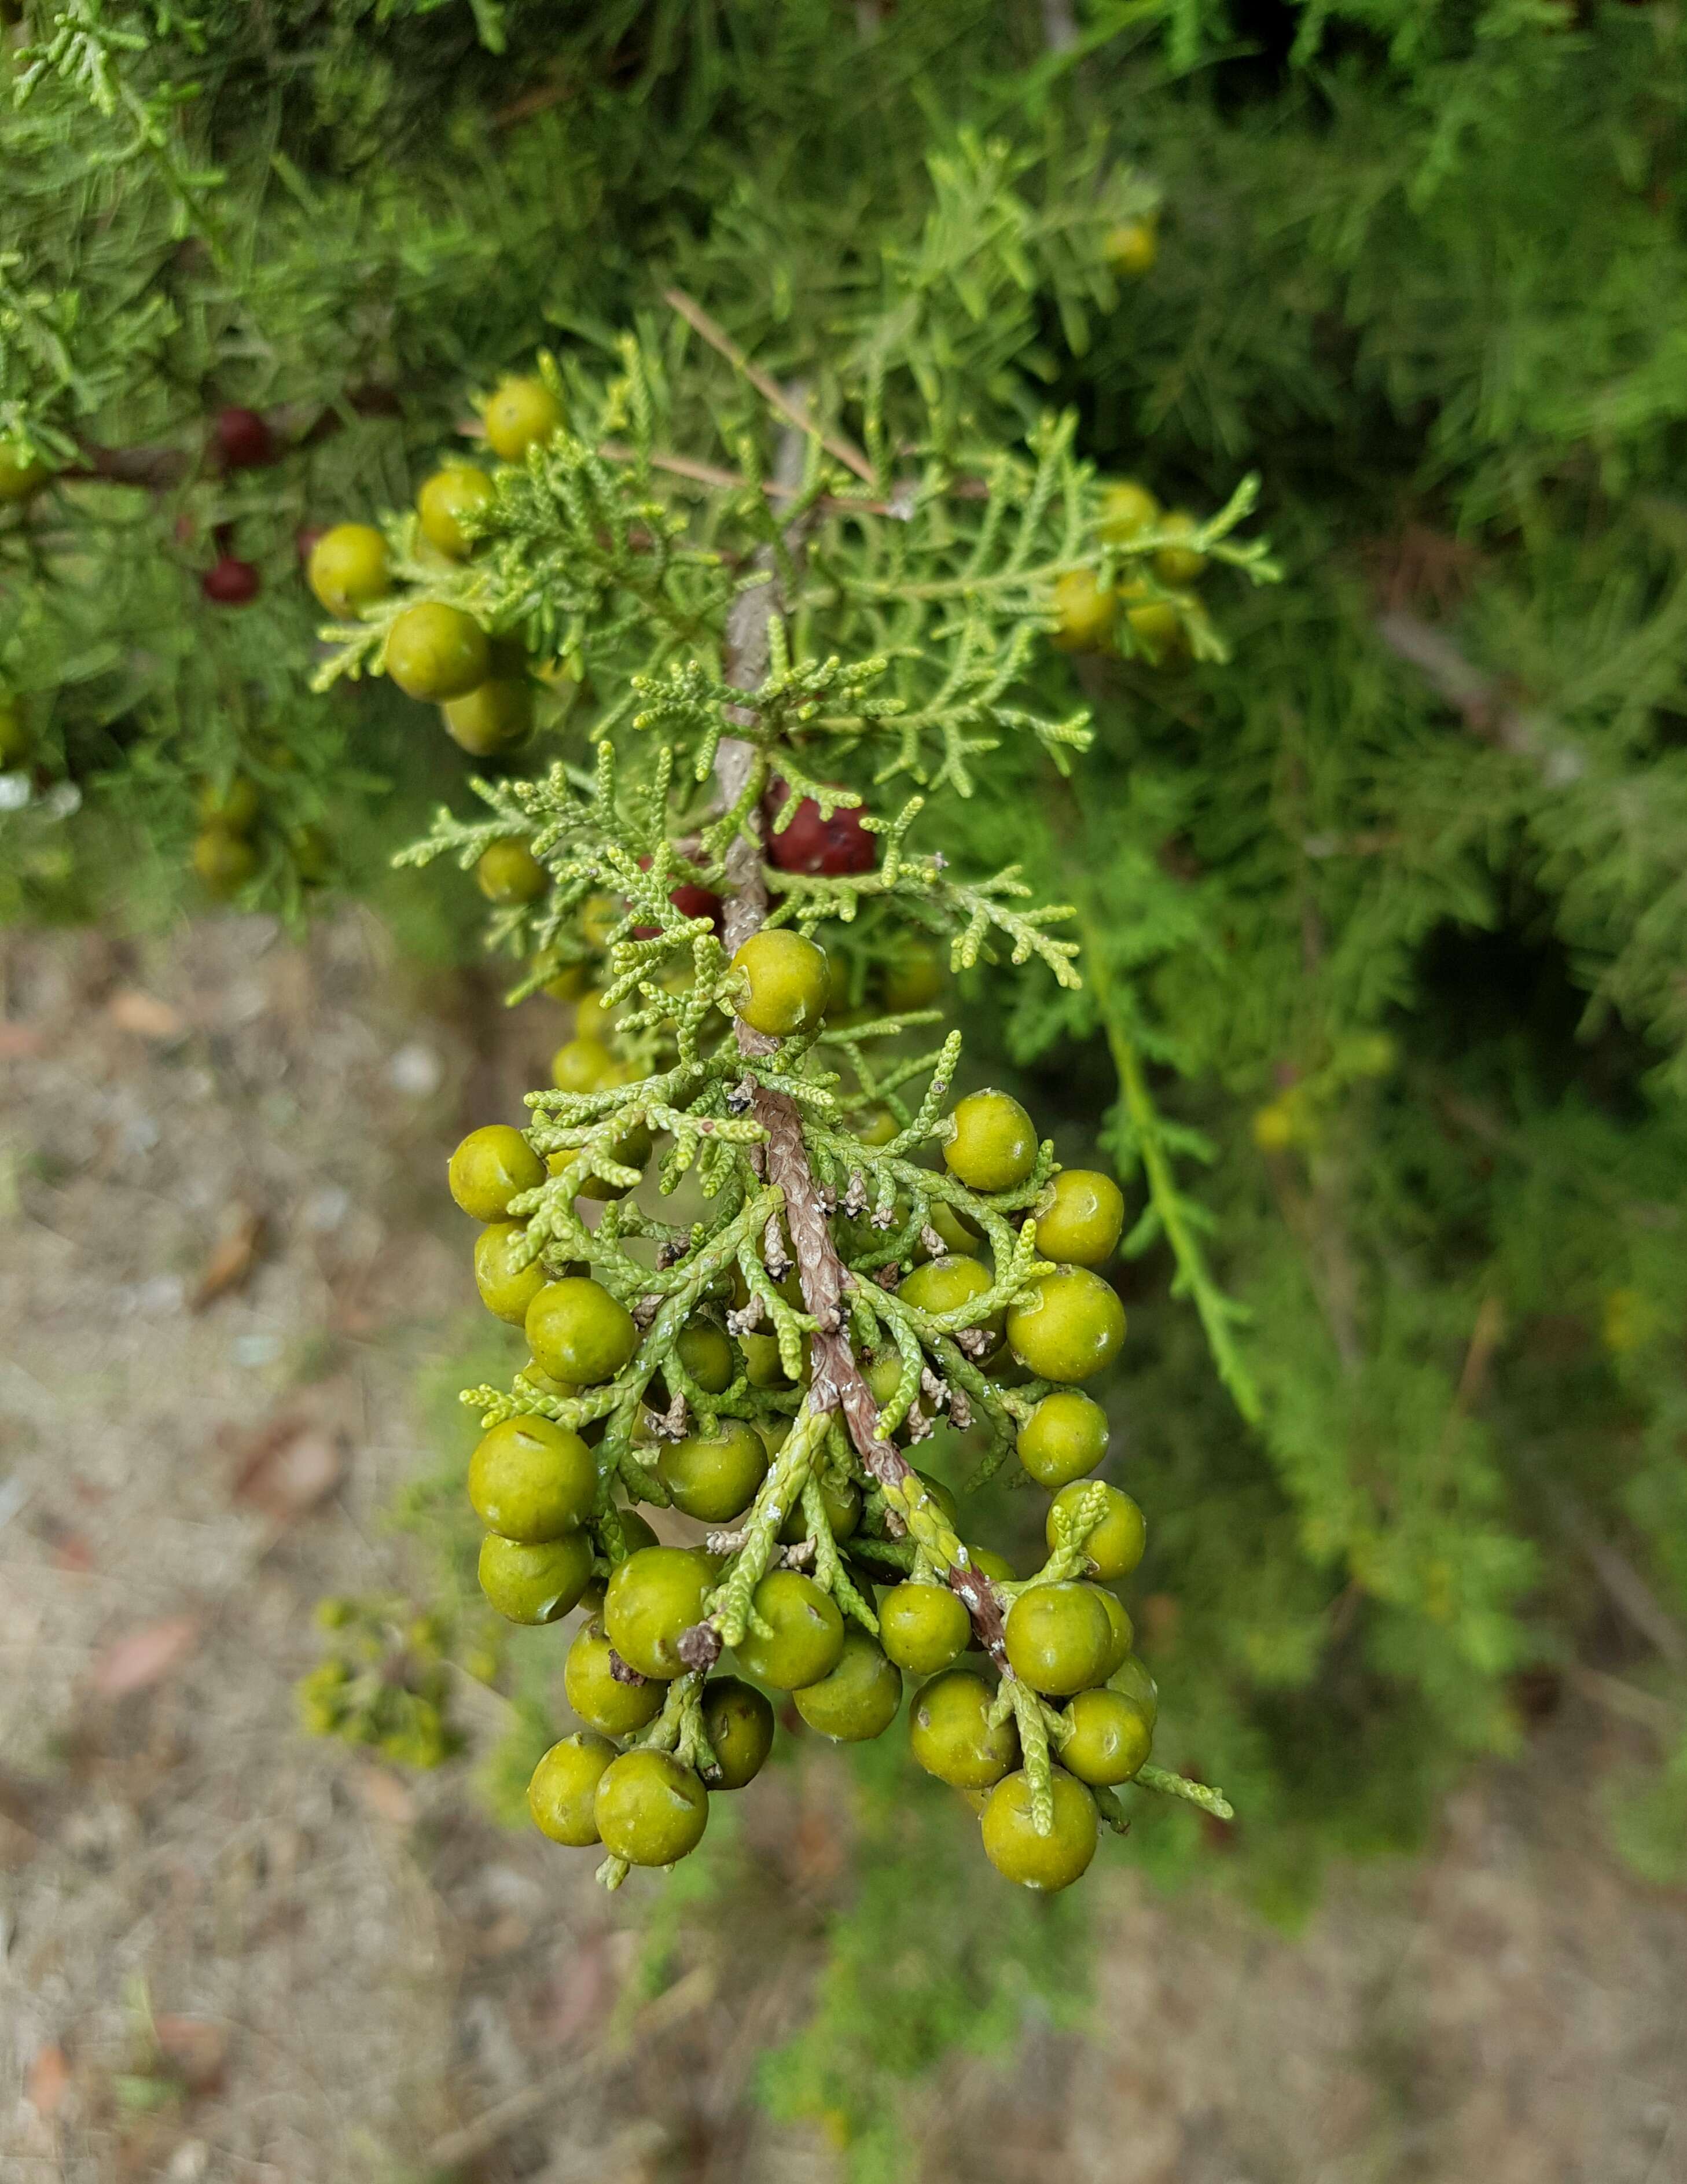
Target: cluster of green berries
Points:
(386, 1683)
(435, 652)
(842, 1607)
(1156, 616)
(232, 820)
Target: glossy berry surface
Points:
(1082, 1226)
(706, 1354)
(1116, 1547)
(507, 872)
(713, 1477)
(582, 1065)
(562, 1794)
(1058, 1638)
(520, 414)
(230, 582)
(764, 1368)
(1110, 1737)
(652, 1598)
(787, 980)
(534, 1582)
(835, 847)
(1065, 1437)
(1132, 1678)
(347, 569)
(1070, 1326)
(1019, 1853)
(840, 1498)
(739, 1723)
(436, 652)
(445, 498)
(577, 1331)
(923, 1627)
(491, 718)
(1178, 565)
(860, 1699)
(807, 1633)
(950, 1735)
(947, 1284)
(958, 1234)
(507, 1286)
(1127, 510)
(244, 440)
(531, 1479)
(491, 1167)
(598, 1695)
(1122, 1630)
(649, 1809)
(1085, 609)
(994, 1142)
(224, 860)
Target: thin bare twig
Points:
(687, 466)
(769, 389)
(837, 1381)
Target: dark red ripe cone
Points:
(230, 583)
(688, 898)
(693, 901)
(833, 847)
(244, 440)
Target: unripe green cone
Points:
(562, 1794)
(1019, 1853)
(649, 1809)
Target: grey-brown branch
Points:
(837, 1381)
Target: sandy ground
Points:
(229, 1951)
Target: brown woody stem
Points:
(837, 1381)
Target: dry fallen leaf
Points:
(145, 1014)
(139, 1658)
(193, 2049)
(232, 1259)
(385, 1795)
(18, 1041)
(288, 1466)
(48, 2081)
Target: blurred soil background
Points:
(227, 1267)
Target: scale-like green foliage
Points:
(1380, 921)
